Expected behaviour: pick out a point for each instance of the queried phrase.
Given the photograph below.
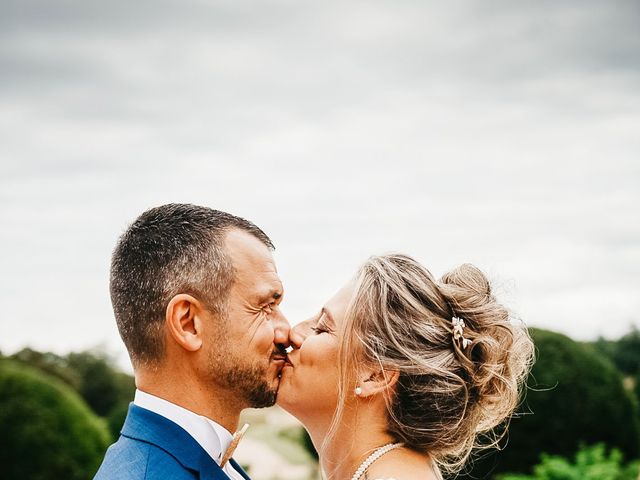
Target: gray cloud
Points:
(501, 133)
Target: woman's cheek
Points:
(318, 353)
(328, 363)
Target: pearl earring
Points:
(358, 391)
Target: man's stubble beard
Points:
(230, 371)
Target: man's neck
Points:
(220, 406)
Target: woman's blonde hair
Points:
(450, 395)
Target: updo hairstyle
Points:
(451, 394)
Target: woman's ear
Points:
(183, 320)
(374, 382)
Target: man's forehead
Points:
(248, 252)
(253, 263)
(264, 291)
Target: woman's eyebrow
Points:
(332, 322)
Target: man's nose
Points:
(299, 333)
(281, 329)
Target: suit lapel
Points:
(239, 469)
(147, 426)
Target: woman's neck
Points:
(353, 441)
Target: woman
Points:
(399, 374)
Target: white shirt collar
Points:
(212, 437)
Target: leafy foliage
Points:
(105, 389)
(576, 397)
(591, 463)
(115, 419)
(624, 352)
(47, 429)
(627, 353)
(308, 445)
(102, 387)
(50, 363)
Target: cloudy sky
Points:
(501, 133)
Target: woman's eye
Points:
(318, 330)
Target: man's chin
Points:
(263, 397)
(276, 382)
(275, 372)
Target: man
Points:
(196, 297)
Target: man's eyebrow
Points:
(274, 294)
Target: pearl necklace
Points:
(373, 457)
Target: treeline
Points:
(58, 414)
(624, 353)
(579, 420)
(580, 414)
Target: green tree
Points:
(106, 390)
(50, 363)
(103, 387)
(576, 396)
(591, 463)
(626, 354)
(115, 419)
(308, 444)
(48, 432)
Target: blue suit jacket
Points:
(152, 447)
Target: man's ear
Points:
(184, 321)
(376, 381)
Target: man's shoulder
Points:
(132, 459)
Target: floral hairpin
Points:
(458, 331)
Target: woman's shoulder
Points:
(404, 464)
(435, 477)
(404, 472)
(426, 475)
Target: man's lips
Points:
(280, 355)
(284, 359)
(280, 359)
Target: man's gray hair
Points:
(171, 249)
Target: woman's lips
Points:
(283, 359)
(281, 356)
(283, 364)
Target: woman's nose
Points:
(299, 333)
